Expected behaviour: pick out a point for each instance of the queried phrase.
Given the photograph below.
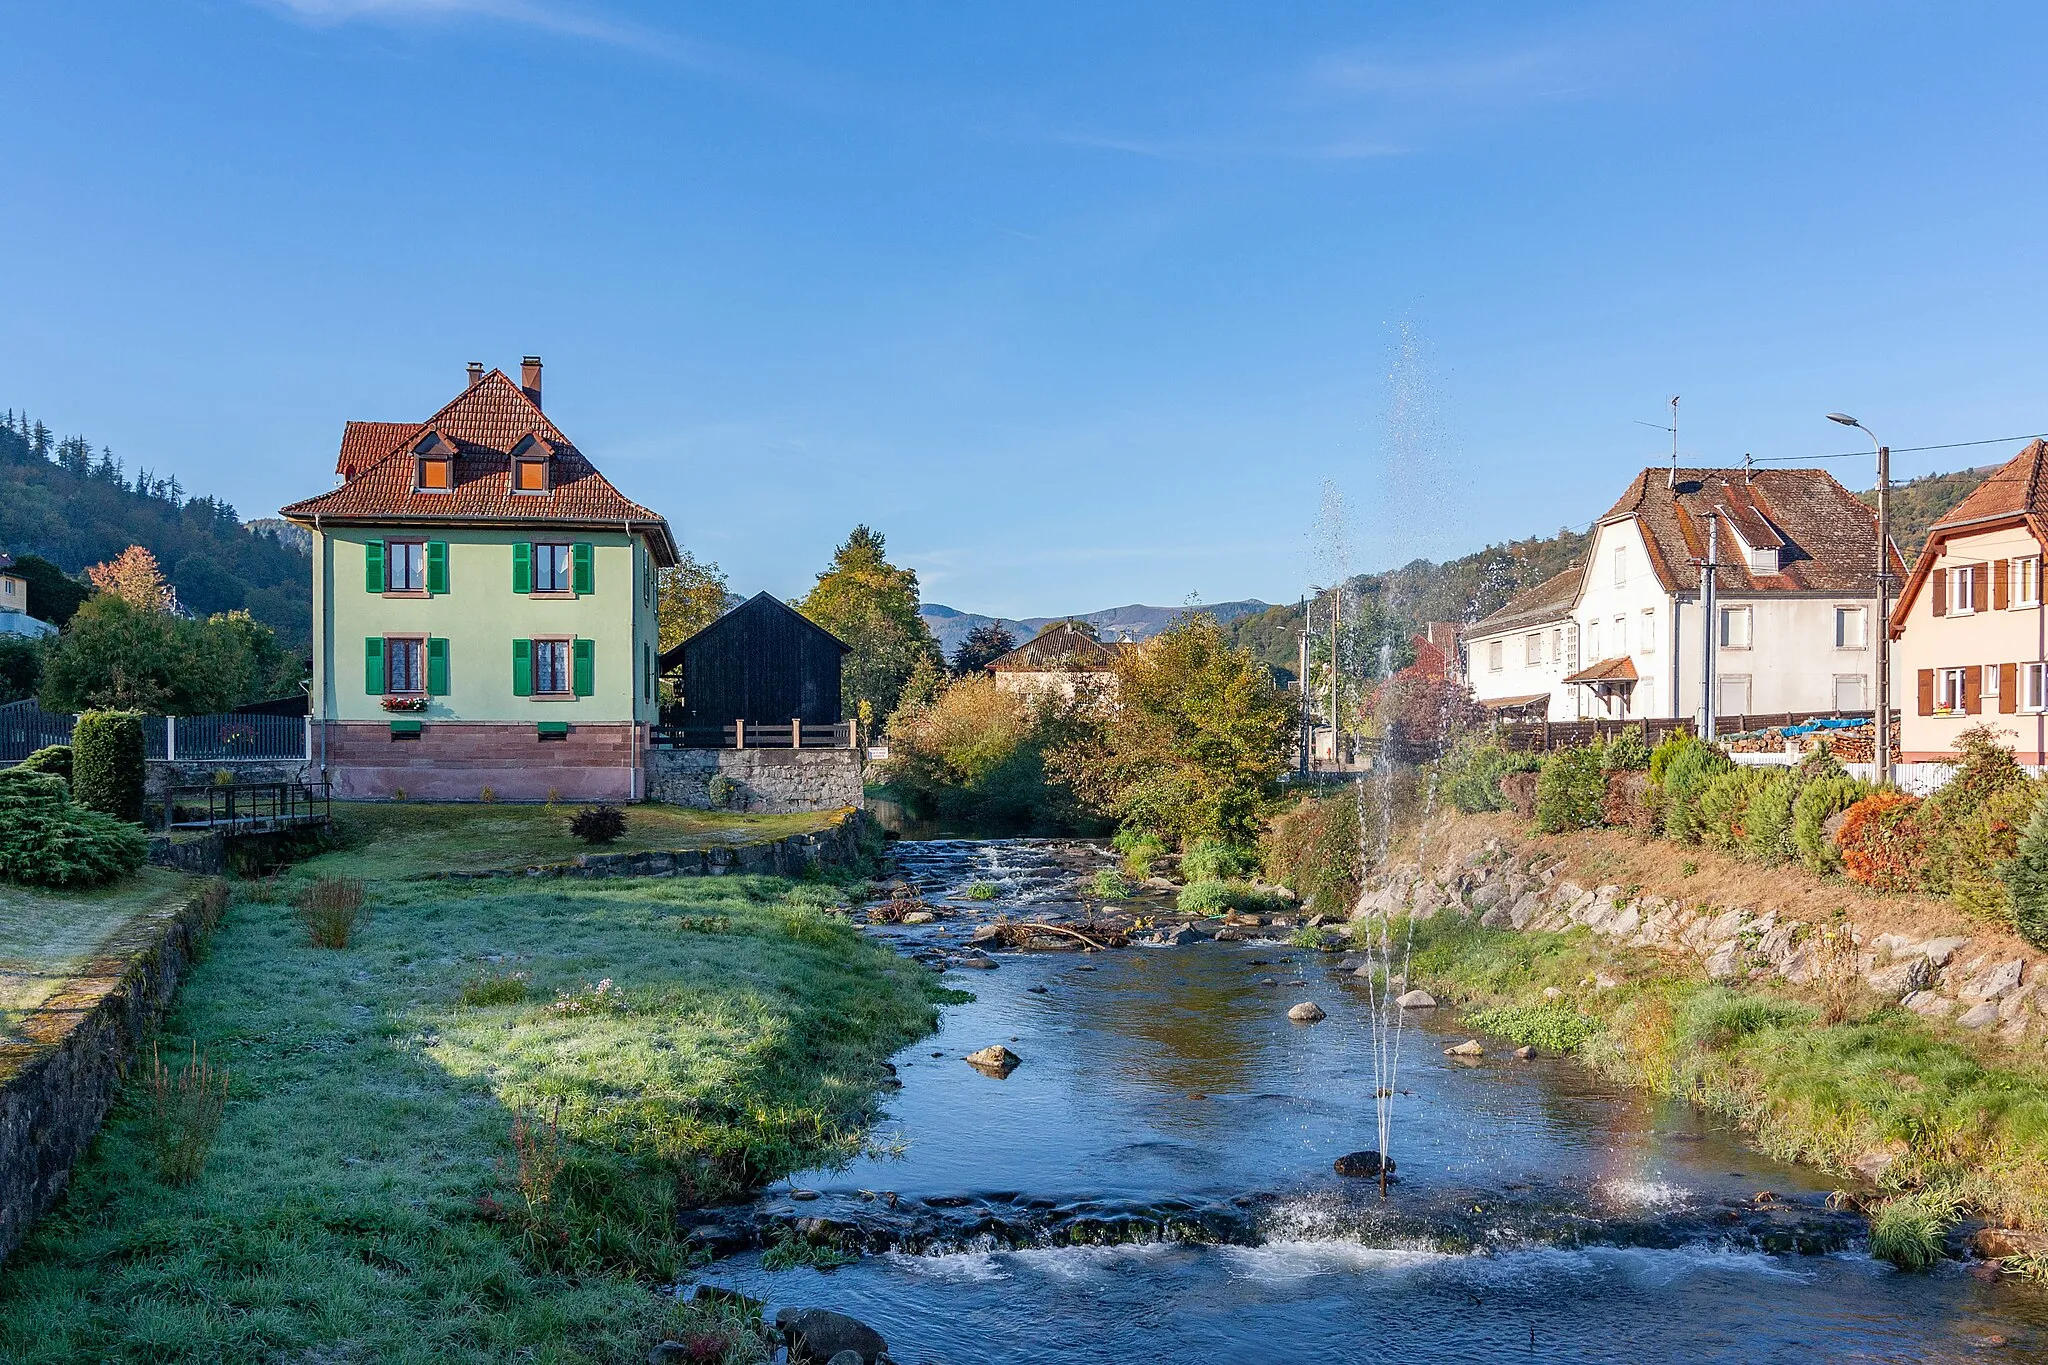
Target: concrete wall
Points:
(771, 781)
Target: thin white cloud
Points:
(1463, 77)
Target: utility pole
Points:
(1303, 732)
(1881, 756)
(1708, 660)
(1336, 634)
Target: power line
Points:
(1899, 450)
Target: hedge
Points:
(107, 762)
(47, 839)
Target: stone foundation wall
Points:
(1509, 887)
(59, 1084)
(451, 761)
(837, 845)
(771, 781)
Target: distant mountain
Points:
(950, 626)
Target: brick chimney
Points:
(529, 378)
(476, 373)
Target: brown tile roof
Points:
(1550, 600)
(2017, 490)
(1512, 703)
(483, 423)
(1826, 536)
(1607, 670)
(1060, 646)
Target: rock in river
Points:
(1307, 1012)
(1469, 1048)
(1362, 1165)
(816, 1335)
(994, 1060)
(1417, 1000)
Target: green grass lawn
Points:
(371, 1110)
(418, 839)
(47, 936)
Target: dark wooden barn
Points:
(763, 663)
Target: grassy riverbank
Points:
(1940, 1129)
(47, 936)
(651, 1043)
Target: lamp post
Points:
(1882, 758)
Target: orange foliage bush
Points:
(1881, 842)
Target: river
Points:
(1539, 1212)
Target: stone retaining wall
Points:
(59, 1084)
(837, 845)
(1511, 887)
(770, 781)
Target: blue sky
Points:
(1078, 304)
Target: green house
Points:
(483, 608)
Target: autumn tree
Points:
(872, 606)
(119, 656)
(986, 643)
(688, 597)
(1194, 740)
(134, 577)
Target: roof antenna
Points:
(1674, 440)
(1748, 467)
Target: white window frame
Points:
(1494, 653)
(1962, 588)
(1989, 686)
(1649, 644)
(1721, 685)
(1862, 691)
(2025, 586)
(2033, 682)
(1557, 644)
(1950, 690)
(1532, 649)
(1621, 566)
(1861, 616)
(1590, 639)
(1730, 615)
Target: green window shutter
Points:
(373, 665)
(522, 567)
(646, 671)
(522, 668)
(579, 568)
(437, 566)
(437, 667)
(373, 566)
(583, 666)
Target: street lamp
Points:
(1883, 755)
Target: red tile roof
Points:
(1607, 670)
(483, 423)
(2016, 492)
(1826, 536)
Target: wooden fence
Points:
(1543, 736)
(752, 735)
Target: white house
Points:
(14, 617)
(1620, 635)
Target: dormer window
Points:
(435, 465)
(530, 473)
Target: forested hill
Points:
(60, 500)
(1398, 602)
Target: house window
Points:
(1621, 566)
(2026, 581)
(1593, 640)
(1951, 688)
(1557, 645)
(1733, 698)
(1990, 680)
(1849, 692)
(1493, 656)
(1649, 643)
(405, 566)
(551, 568)
(1532, 648)
(1962, 590)
(405, 664)
(1621, 635)
(2034, 687)
(1852, 629)
(529, 476)
(1735, 627)
(551, 668)
(436, 474)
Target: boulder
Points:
(1983, 1014)
(1940, 950)
(817, 1335)
(1929, 1004)
(845, 1358)
(1499, 917)
(1995, 1244)
(994, 1060)
(976, 962)
(918, 917)
(1901, 979)
(983, 933)
(1525, 1054)
(1995, 981)
(1469, 1048)
(1417, 1000)
(1267, 981)
(1873, 1162)
(1725, 960)
(1362, 1165)
(1307, 1012)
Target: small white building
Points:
(1620, 636)
(14, 617)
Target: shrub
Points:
(1218, 897)
(182, 1112)
(1627, 804)
(47, 839)
(1213, 859)
(1881, 842)
(1110, 885)
(489, 988)
(2026, 878)
(1976, 845)
(1689, 765)
(1313, 850)
(1518, 789)
(1956, 843)
(1140, 852)
(54, 759)
(1820, 800)
(1819, 762)
(602, 823)
(1473, 771)
(107, 759)
(1570, 791)
(331, 909)
(1718, 1018)
(1626, 752)
(721, 790)
(1767, 818)
(1553, 1028)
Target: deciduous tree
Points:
(135, 578)
(688, 598)
(871, 605)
